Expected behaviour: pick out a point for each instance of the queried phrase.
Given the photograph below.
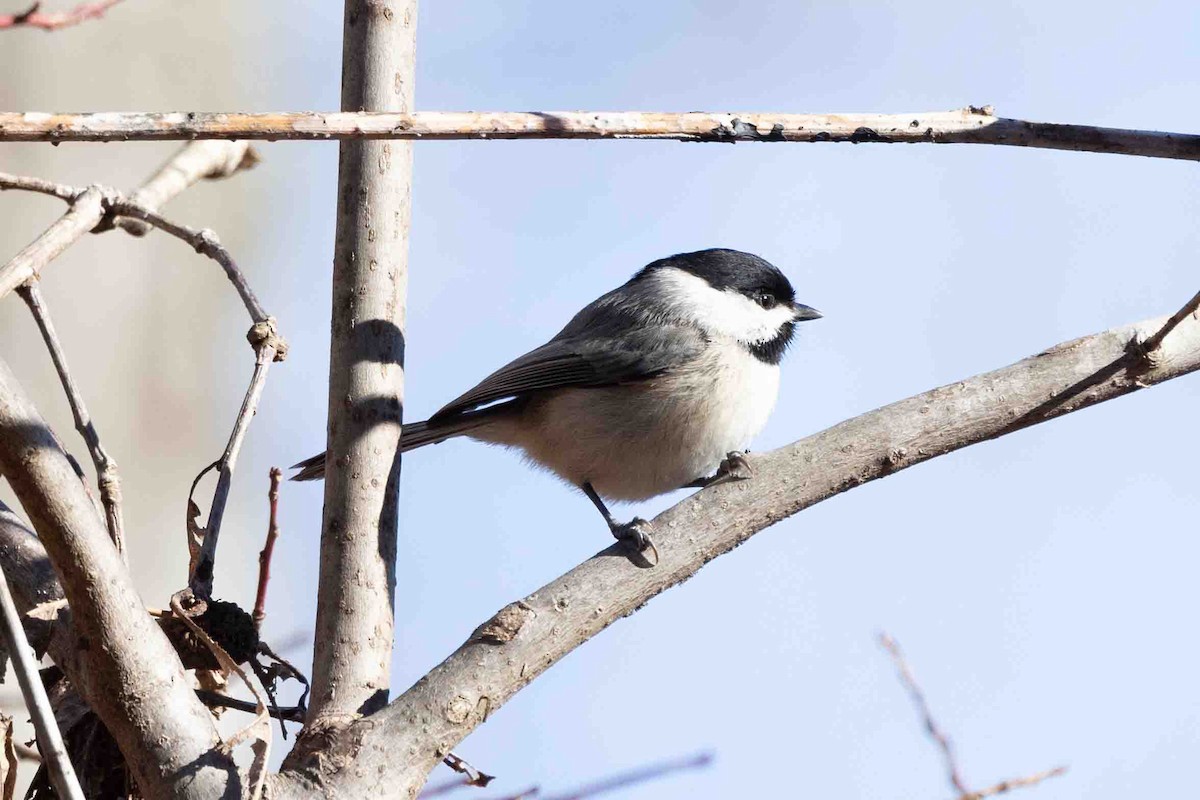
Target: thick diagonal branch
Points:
(525, 638)
(131, 676)
(195, 161)
(353, 645)
(971, 125)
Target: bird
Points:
(655, 386)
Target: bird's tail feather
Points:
(413, 435)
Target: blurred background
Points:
(1039, 584)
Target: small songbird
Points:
(655, 386)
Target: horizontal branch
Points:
(970, 125)
(526, 637)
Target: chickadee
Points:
(655, 386)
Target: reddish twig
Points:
(52, 21)
(943, 741)
(264, 556)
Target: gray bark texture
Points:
(354, 625)
(122, 664)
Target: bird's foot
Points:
(635, 534)
(735, 467)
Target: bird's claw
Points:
(735, 467)
(636, 535)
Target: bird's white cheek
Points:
(724, 313)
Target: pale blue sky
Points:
(1040, 584)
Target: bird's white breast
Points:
(637, 440)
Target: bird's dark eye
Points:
(765, 300)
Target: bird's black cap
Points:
(723, 269)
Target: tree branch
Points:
(87, 209)
(107, 477)
(526, 637)
(971, 125)
(166, 734)
(113, 203)
(268, 347)
(195, 161)
(354, 627)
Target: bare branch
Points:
(943, 741)
(34, 18)
(50, 742)
(165, 733)
(953, 772)
(195, 161)
(971, 125)
(268, 347)
(354, 627)
(86, 211)
(112, 202)
(523, 639)
(107, 477)
(264, 556)
(1016, 783)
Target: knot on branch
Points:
(505, 625)
(265, 333)
(110, 486)
(740, 130)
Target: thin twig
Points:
(267, 345)
(34, 18)
(1155, 341)
(1015, 783)
(62, 774)
(92, 204)
(113, 202)
(943, 741)
(264, 556)
(918, 697)
(971, 125)
(87, 209)
(106, 468)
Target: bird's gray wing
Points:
(584, 355)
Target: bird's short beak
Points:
(804, 313)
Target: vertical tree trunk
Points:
(366, 373)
